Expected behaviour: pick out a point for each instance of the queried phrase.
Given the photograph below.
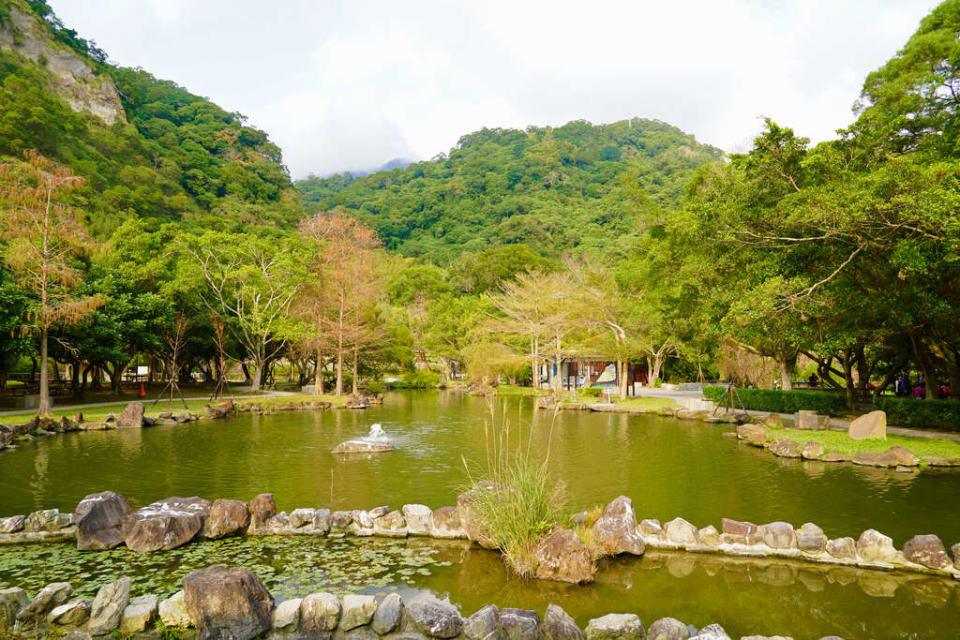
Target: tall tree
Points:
(45, 236)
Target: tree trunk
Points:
(786, 374)
(43, 407)
(247, 378)
(657, 365)
(339, 387)
(622, 378)
(534, 365)
(356, 361)
(318, 376)
(257, 379)
(848, 378)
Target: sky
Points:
(352, 84)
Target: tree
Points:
(45, 236)
(253, 281)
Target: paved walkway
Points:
(145, 401)
(835, 424)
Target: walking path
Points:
(835, 424)
(90, 405)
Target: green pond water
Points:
(668, 467)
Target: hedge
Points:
(942, 415)
(776, 401)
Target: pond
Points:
(668, 467)
(744, 595)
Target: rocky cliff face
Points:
(71, 76)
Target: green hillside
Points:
(554, 189)
(147, 147)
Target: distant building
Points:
(591, 371)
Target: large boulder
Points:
(786, 448)
(12, 524)
(680, 532)
(50, 596)
(389, 615)
(778, 535)
(44, 520)
(100, 520)
(668, 629)
(226, 518)
(419, 519)
(131, 417)
(357, 611)
(560, 625)
(108, 606)
(319, 614)
(904, 456)
(869, 426)
(392, 525)
(447, 524)
(12, 600)
(563, 557)
(616, 530)
(228, 604)
(738, 532)
(871, 459)
(842, 548)
(520, 624)
(71, 614)
(810, 538)
(435, 618)
(139, 615)
(927, 550)
(484, 625)
(164, 525)
(173, 611)
(873, 546)
(262, 508)
(615, 626)
(470, 517)
(286, 616)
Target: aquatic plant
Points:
(515, 500)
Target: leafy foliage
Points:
(942, 415)
(776, 401)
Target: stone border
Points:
(106, 520)
(232, 603)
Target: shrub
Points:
(942, 415)
(374, 387)
(825, 403)
(591, 392)
(421, 379)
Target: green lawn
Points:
(842, 443)
(515, 390)
(644, 402)
(97, 414)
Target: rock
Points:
(45, 520)
(446, 524)
(737, 532)
(12, 600)
(392, 525)
(132, 416)
(935, 461)
(419, 519)
(778, 535)
(955, 550)
(286, 616)
(226, 518)
(873, 546)
(227, 603)
(680, 532)
(361, 446)
(341, 519)
(100, 520)
(164, 525)
(843, 548)
(669, 628)
(262, 508)
(616, 530)
(711, 632)
(71, 614)
(469, 518)
(563, 557)
(389, 615)
(615, 626)
(559, 625)
(709, 536)
(301, 517)
(173, 611)
(13, 524)
(362, 524)
(904, 457)
(773, 420)
(927, 550)
(51, 596)
(869, 426)
(867, 459)
(651, 527)
(279, 525)
(520, 624)
(484, 625)
(357, 611)
(321, 522)
(810, 538)
(435, 618)
(834, 456)
(107, 609)
(808, 420)
(319, 614)
(785, 448)
(379, 512)
(139, 614)
(812, 450)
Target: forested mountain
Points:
(147, 147)
(554, 189)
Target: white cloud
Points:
(347, 84)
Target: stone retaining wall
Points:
(106, 520)
(218, 602)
